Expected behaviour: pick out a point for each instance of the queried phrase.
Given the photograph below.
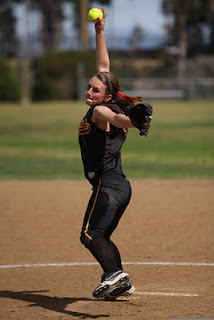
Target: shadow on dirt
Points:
(50, 303)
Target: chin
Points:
(89, 102)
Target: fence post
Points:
(25, 78)
(80, 81)
(191, 89)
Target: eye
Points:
(88, 87)
(96, 90)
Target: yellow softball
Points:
(93, 14)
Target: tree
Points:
(136, 38)
(52, 17)
(8, 40)
(211, 23)
(81, 8)
(188, 20)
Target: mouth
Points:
(89, 100)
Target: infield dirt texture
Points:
(167, 221)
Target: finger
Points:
(104, 14)
(103, 11)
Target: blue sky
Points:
(122, 17)
(124, 14)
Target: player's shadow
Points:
(50, 303)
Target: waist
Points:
(96, 179)
(111, 173)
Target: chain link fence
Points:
(161, 88)
(170, 88)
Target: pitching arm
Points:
(102, 56)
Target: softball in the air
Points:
(95, 13)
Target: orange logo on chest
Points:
(84, 127)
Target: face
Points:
(95, 92)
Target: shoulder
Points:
(101, 109)
(111, 106)
(103, 114)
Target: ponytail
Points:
(124, 101)
(113, 87)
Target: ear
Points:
(108, 97)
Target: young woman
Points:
(102, 133)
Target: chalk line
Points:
(167, 294)
(136, 263)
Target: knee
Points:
(84, 240)
(88, 238)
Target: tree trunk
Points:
(51, 28)
(182, 53)
(182, 39)
(84, 24)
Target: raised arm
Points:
(102, 56)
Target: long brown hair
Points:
(113, 87)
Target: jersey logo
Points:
(84, 127)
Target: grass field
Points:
(41, 142)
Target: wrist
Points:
(100, 32)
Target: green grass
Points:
(41, 142)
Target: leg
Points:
(98, 215)
(111, 229)
(116, 255)
(105, 208)
(104, 254)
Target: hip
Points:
(115, 185)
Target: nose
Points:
(88, 90)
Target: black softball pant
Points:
(110, 197)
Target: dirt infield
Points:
(167, 221)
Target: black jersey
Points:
(100, 150)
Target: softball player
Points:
(102, 133)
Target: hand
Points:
(99, 26)
(140, 116)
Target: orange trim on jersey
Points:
(84, 127)
(95, 199)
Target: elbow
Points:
(103, 68)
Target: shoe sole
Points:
(105, 288)
(127, 293)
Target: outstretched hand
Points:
(99, 26)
